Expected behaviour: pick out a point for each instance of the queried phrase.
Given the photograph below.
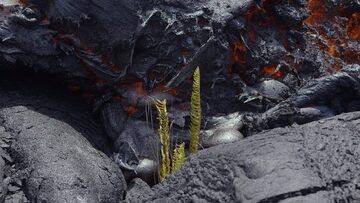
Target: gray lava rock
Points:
(316, 112)
(114, 118)
(273, 89)
(332, 94)
(138, 146)
(279, 165)
(51, 154)
(222, 130)
(223, 136)
(137, 191)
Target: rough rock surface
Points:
(47, 157)
(315, 162)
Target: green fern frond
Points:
(195, 112)
(178, 157)
(164, 133)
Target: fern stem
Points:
(164, 134)
(178, 157)
(195, 113)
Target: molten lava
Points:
(137, 87)
(239, 53)
(161, 87)
(353, 26)
(318, 12)
(131, 110)
(74, 88)
(333, 33)
(272, 70)
(23, 2)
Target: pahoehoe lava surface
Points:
(44, 153)
(315, 162)
(264, 64)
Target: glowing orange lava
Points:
(74, 88)
(23, 2)
(334, 33)
(318, 12)
(163, 88)
(272, 71)
(239, 53)
(131, 110)
(353, 27)
(138, 87)
(45, 20)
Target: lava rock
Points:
(316, 112)
(141, 137)
(223, 136)
(283, 164)
(273, 89)
(221, 130)
(114, 118)
(293, 15)
(51, 154)
(138, 190)
(137, 150)
(334, 94)
(3, 186)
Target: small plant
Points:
(164, 134)
(195, 113)
(178, 157)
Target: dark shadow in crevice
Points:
(48, 95)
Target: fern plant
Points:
(178, 157)
(195, 113)
(164, 134)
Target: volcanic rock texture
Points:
(44, 153)
(265, 64)
(315, 162)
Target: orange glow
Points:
(23, 2)
(74, 88)
(318, 12)
(336, 67)
(138, 87)
(117, 97)
(100, 81)
(239, 53)
(86, 49)
(353, 26)
(45, 20)
(252, 36)
(184, 52)
(271, 71)
(163, 88)
(335, 40)
(332, 50)
(115, 69)
(105, 60)
(87, 95)
(184, 106)
(131, 110)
